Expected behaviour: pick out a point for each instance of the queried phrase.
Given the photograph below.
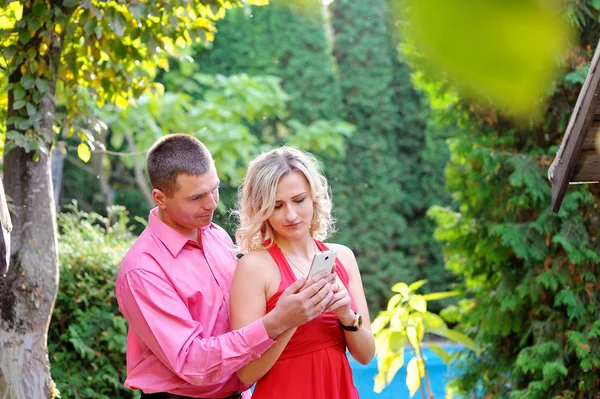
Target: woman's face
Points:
(294, 207)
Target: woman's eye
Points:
(278, 206)
(300, 200)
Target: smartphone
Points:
(324, 260)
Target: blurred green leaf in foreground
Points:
(505, 52)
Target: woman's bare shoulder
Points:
(257, 261)
(258, 267)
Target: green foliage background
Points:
(530, 276)
(87, 335)
(391, 171)
(384, 188)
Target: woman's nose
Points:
(290, 215)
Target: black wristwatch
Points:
(355, 326)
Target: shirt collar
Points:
(173, 240)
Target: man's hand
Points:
(300, 303)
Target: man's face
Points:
(193, 204)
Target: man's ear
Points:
(159, 198)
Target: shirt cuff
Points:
(258, 338)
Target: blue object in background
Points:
(438, 376)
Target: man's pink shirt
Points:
(175, 297)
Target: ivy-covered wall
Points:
(390, 176)
(286, 39)
(388, 181)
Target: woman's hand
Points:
(340, 304)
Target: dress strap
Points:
(287, 275)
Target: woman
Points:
(285, 213)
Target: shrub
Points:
(87, 336)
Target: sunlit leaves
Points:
(219, 110)
(83, 152)
(322, 136)
(414, 371)
(106, 51)
(10, 14)
(406, 319)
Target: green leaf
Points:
(83, 152)
(19, 104)
(394, 301)
(27, 81)
(38, 8)
(33, 24)
(18, 92)
(30, 109)
(433, 322)
(440, 295)
(413, 338)
(379, 323)
(379, 384)
(463, 339)
(503, 50)
(23, 123)
(117, 24)
(414, 371)
(395, 366)
(401, 288)
(440, 352)
(24, 35)
(89, 26)
(42, 85)
(397, 341)
(418, 303)
(9, 52)
(416, 285)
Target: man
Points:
(173, 287)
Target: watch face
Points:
(358, 320)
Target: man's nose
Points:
(210, 203)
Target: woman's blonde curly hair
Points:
(257, 196)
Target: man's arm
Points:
(169, 331)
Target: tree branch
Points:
(139, 172)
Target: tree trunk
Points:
(28, 291)
(57, 161)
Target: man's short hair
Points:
(173, 155)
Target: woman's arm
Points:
(248, 302)
(299, 303)
(361, 343)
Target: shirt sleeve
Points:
(158, 317)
